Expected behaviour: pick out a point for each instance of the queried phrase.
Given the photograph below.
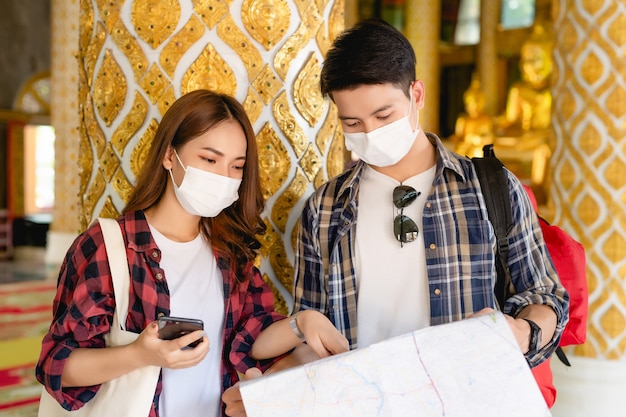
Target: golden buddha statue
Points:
(529, 101)
(473, 129)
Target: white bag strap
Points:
(118, 263)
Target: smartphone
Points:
(175, 327)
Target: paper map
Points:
(463, 369)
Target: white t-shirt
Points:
(196, 291)
(392, 281)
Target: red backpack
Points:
(567, 254)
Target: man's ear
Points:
(418, 93)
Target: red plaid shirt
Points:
(83, 308)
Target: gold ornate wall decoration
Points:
(280, 305)
(209, 71)
(306, 91)
(142, 147)
(131, 124)
(288, 199)
(133, 67)
(266, 21)
(236, 39)
(589, 162)
(288, 125)
(109, 89)
(179, 44)
(155, 21)
(211, 11)
(274, 161)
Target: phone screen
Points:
(175, 327)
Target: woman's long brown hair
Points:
(233, 234)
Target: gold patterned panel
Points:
(306, 92)
(122, 185)
(288, 199)
(280, 305)
(155, 21)
(179, 44)
(288, 125)
(253, 105)
(281, 265)
(211, 11)
(588, 161)
(311, 162)
(266, 84)
(108, 209)
(154, 83)
(143, 146)
(236, 39)
(269, 239)
(109, 162)
(109, 12)
(131, 49)
(209, 71)
(166, 100)
(109, 89)
(93, 50)
(93, 130)
(266, 21)
(311, 21)
(131, 124)
(325, 134)
(94, 192)
(274, 162)
(336, 161)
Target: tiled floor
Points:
(27, 265)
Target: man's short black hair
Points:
(371, 52)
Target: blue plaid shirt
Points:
(460, 251)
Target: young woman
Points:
(191, 230)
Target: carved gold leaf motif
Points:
(266, 84)
(336, 160)
(320, 179)
(91, 197)
(179, 44)
(253, 105)
(129, 46)
(211, 11)
(311, 21)
(274, 161)
(109, 89)
(288, 125)
(166, 100)
(154, 83)
(122, 185)
(86, 24)
(108, 209)
(155, 20)
(268, 239)
(133, 121)
(141, 149)
(236, 39)
(288, 199)
(327, 131)
(306, 93)
(280, 305)
(310, 162)
(209, 71)
(92, 128)
(281, 265)
(109, 12)
(266, 21)
(109, 162)
(93, 51)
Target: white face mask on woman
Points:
(386, 145)
(203, 193)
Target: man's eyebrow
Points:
(378, 110)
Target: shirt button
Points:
(432, 246)
(437, 291)
(346, 223)
(335, 307)
(428, 204)
(159, 276)
(155, 254)
(159, 315)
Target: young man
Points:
(402, 240)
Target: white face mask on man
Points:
(203, 193)
(386, 145)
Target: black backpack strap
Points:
(495, 189)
